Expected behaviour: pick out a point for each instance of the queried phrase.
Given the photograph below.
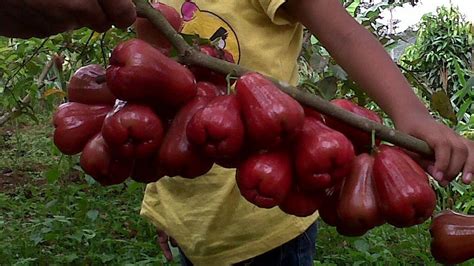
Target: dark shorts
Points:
(297, 252)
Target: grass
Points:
(50, 213)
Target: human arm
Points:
(29, 18)
(366, 61)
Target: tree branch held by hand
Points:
(188, 55)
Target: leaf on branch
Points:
(54, 91)
(194, 39)
(328, 87)
(318, 62)
(440, 102)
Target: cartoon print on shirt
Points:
(210, 26)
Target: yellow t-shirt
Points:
(212, 223)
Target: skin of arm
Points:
(32, 18)
(368, 64)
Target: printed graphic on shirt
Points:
(210, 26)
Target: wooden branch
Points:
(189, 55)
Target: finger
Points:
(173, 242)
(163, 243)
(442, 151)
(120, 13)
(89, 14)
(459, 154)
(467, 178)
(424, 163)
(468, 169)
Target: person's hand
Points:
(164, 242)
(28, 18)
(453, 153)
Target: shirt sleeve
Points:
(276, 13)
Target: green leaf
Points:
(328, 87)
(352, 8)
(441, 103)
(90, 180)
(36, 238)
(361, 245)
(106, 257)
(70, 257)
(464, 108)
(51, 203)
(318, 62)
(470, 83)
(52, 175)
(133, 187)
(93, 214)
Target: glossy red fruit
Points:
(271, 116)
(265, 179)
(98, 162)
(452, 237)
(301, 203)
(207, 89)
(75, 124)
(404, 194)
(149, 33)
(217, 129)
(140, 73)
(361, 140)
(85, 87)
(177, 156)
(146, 171)
(232, 162)
(328, 209)
(204, 74)
(357, 207)
(322, 156)
(310, 112)
(133, 131)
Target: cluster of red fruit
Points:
(323, 164)
(152, 117)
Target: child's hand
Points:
(164, 241)
(367, 62)
(24, 19)
(453, 153)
